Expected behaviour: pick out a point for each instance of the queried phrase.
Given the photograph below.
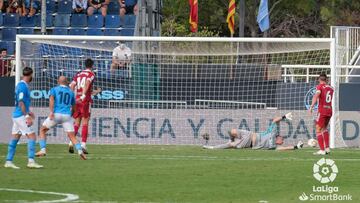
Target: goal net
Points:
(172, 90)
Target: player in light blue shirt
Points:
(22, 122)
(62, 104)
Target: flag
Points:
(263, 16)
(230, 19)
(193, 19)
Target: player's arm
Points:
(235, 143)
(95, 92)
(299, 145)
(72, 85)
(314, 100)
(85, 89)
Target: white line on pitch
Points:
(68, 197)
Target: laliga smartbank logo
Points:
(325, 171)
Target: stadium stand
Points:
(78, 20)
(50, 6)
(112, 32)
(112, 21)
(1, 20)
(27, 21)
(94, 32)
(77, 31)
(127, 32)
(61, 21)
(64, 7)
(49, 20)
(9, 34)
(96, 21)
(60, 31)
(129, 21)
(11, 20)
(26, 31)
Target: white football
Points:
(312, 142)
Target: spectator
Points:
(121, 57)
(30, 7)
(128, 7)
(15, 6)
(98, 5)
(80, 6)
(2, 6)
(5, 68)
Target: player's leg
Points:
(320, 122)
(84, 133)
(48, 124)
(12, 148)
(85, 126)
(27, 130)
(69, 129)
(326, 134)
(77, 116)
(220, 146)
(31, 151)
(103, 10)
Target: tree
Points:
(288, 18)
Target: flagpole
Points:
(232, 59)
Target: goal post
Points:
(176, 88)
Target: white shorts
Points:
(66, 120)
(20, 127)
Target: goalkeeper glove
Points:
(287, 116)
(299, 145)
(206, 136)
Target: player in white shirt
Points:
(121, 57)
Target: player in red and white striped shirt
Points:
(82, 84)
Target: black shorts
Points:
(129, 9)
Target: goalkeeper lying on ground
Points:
(270, 139)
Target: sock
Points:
(76, 129)
(320, 139)
(42, 144)
(31, 149)
(84, 133)
(326, 138)
(11, 149)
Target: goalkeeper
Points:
(269, 139)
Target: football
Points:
(312, 142)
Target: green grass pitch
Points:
(140, 173)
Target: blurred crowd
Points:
(89, 7)
(7, 64)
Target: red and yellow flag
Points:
(231, 16)
(193, 19)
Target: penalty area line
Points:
(68, 197)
